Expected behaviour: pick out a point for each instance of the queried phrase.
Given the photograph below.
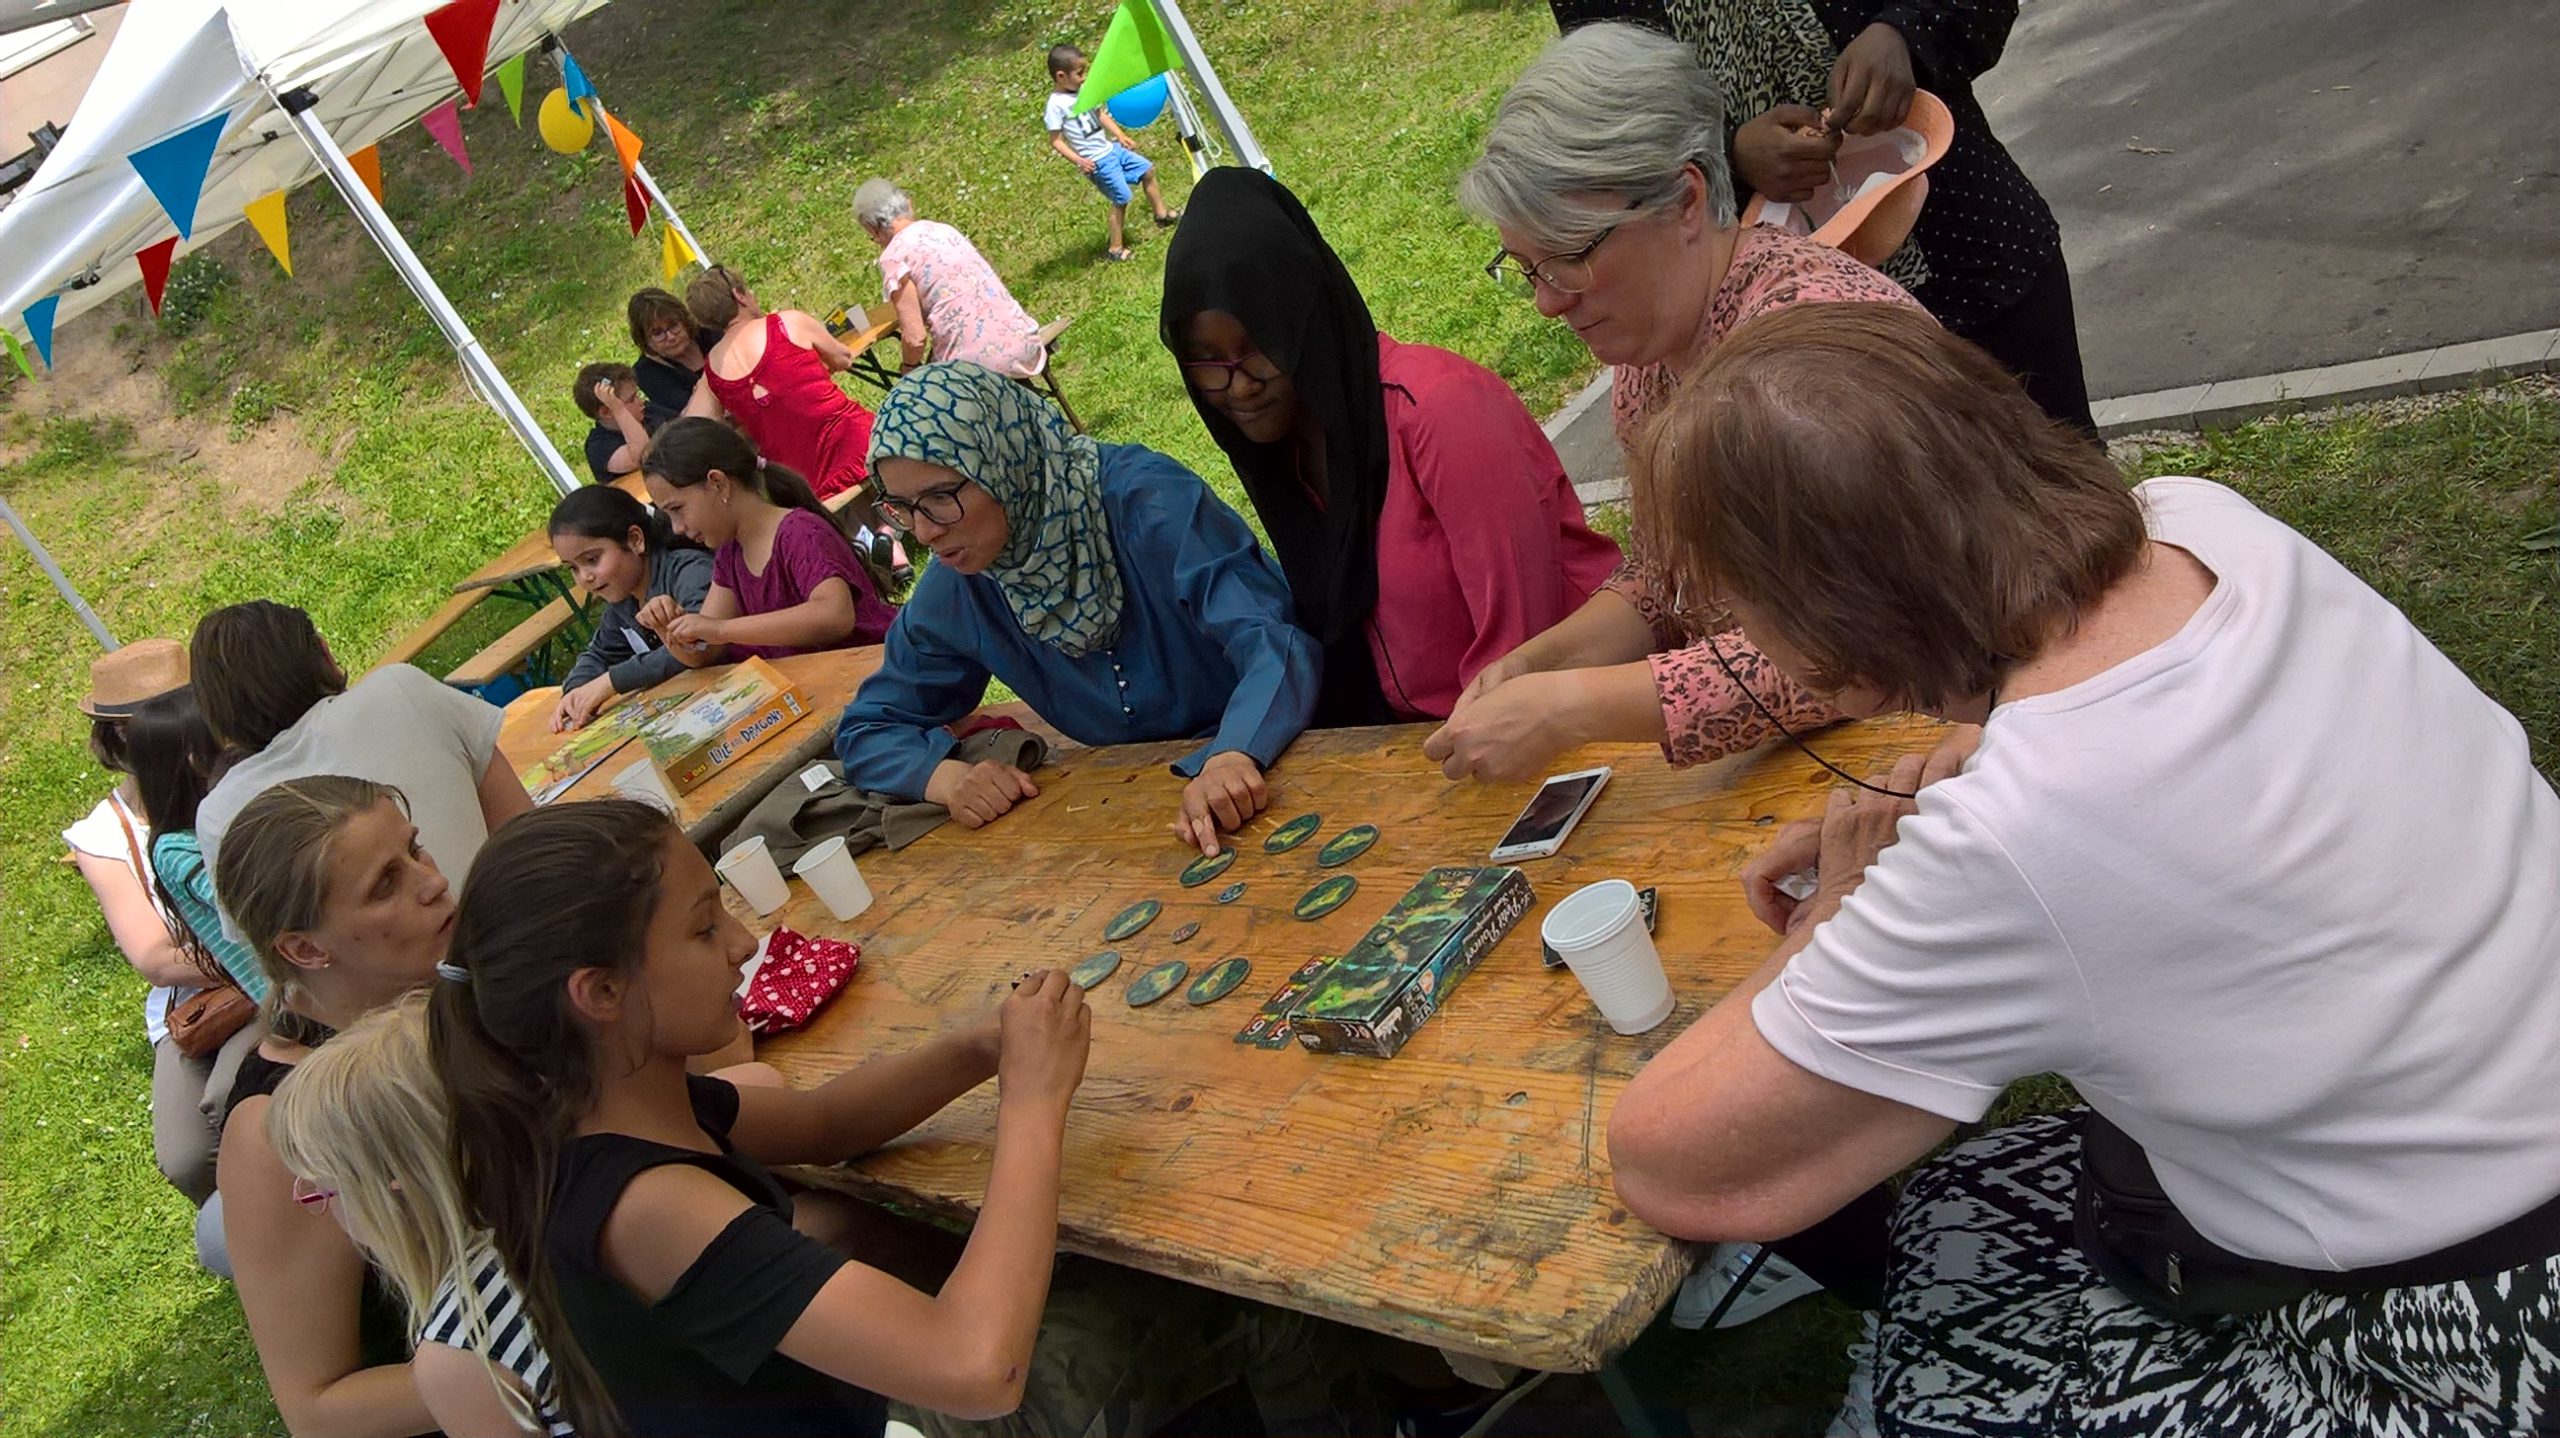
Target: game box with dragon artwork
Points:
(1370, 1001)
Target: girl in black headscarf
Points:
(1422, 518)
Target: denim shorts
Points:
(1118, 171)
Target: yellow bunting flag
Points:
(266, 216)
(673, 253)
(368, 166)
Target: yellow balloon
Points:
(563, 129)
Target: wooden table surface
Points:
(826, 680)
(1457, 1194)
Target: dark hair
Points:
(583, 388)
(560, 889)
(106, 744)
(712, 298)
(685, 451)
(258, 668)
(171, 752)
(1063, 58)
(648, 308)
(1886, 497)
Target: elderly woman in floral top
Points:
(1605, 175)
(951, 304)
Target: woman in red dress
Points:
(773, 375)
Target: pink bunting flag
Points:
(445, 123)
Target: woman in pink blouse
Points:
(1423, 521)
(1605, 174)
(950, 304)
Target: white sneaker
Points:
(1857, 1417)
(1772, 1286)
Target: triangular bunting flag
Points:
(635, 203)
(673, 253)
(1135, 48)
(574, 80)
(154, 260)
(39, 321)
(625, 144)
(445, 123)
(17, 354)
(266, 216)
(368, 168)
(462, 33)
(175, 167)
(511, 85)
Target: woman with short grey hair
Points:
(1605, 175)
(951, 305)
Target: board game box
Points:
(1390, 983)
(555, 773)
(721, 723)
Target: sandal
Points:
(1119, 256)
(1168, 219)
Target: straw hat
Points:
(1874, 224)
(121, 679)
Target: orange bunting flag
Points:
(154, 260)
(462, 33)
(626, 145)
(635, 204)
(368, 167)
(266, 216)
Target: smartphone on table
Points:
(1550, 816)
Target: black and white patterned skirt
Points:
(1995, 1325)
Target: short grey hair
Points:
(1602, 122)
(878, 204)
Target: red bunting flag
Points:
(635, 203)
(154, 260)
(462, 33)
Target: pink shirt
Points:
(971, 314)
(807, 552)
(1481, 541)
(1705, 716)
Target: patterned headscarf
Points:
(1057, 573)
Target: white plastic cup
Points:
(750, 870)
(831, 874)
(643, 782)
(1598, 930)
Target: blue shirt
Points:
(179, 863)
(1207, 645)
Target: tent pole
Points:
(299, 107)
(1230, 120)
(53, 572)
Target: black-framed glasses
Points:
(1567, 274)
(941, 505)
(1213, 376)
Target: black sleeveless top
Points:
(701, 1362)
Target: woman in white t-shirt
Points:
(2240, 854)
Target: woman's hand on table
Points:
(978, 794)
(1871, 82)
(1226, 796)
(578, 706)
(1815, 845)
(1784, 154)
(1508, 734)
(1047, 1034)
(1493, 676)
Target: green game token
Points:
(1230, 893)
(1184, 934)
(1157, 982)
(1208, 866)
(1094, 970)
(1219, 981)
(1346, 846)
(1327, 896)
(1290, 835)
(1131, 919)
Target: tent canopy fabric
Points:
(371, 63)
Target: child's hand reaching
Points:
(1047, 1033)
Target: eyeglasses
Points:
(1213, 376)
(311, 1196)
(942, 506)
(1567, 274)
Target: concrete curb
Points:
(1584, 441)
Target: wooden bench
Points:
(511, 650)
(447, 615)
(1046, 381)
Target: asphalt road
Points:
(2246, 188)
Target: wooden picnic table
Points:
(826, 680)
(528, 570)
(1458, 1194)
(861, 331)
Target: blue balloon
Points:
(1138, 106)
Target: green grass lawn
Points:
(760, 121)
